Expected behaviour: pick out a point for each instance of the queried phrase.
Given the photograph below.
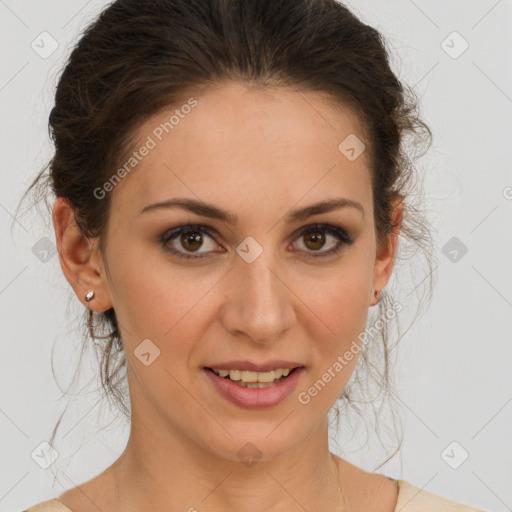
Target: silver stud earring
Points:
(89, 296)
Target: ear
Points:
(386, 253)
(80, 259)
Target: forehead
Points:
(233, 142)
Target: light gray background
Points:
(453, 379)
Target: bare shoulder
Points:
(367, 491)
(79, 499)
(90, 496)
(76, 499)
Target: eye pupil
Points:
(317, 239)
(188, 239)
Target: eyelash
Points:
(338, 233)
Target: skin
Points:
(258, 154)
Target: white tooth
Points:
(246, 376)
(278, 373)
(249, 376)
(235, 374)
(253, 385)
(259, 385)
(266, 376)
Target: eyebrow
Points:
(213, 212)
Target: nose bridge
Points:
(258, 303)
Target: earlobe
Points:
(79, 257)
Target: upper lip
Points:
(255, 367)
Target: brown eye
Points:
(191, 241)
(187, 240)
(316, 237)
(314, 240)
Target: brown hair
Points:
(138, 57)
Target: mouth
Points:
(251, 385)
(252, 379)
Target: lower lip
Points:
(255, 397)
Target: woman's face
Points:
(252, 290)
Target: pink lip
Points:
(255, 397)
(255, 367)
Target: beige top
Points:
(410, 499)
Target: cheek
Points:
(335, 313)
(154, 298)
(157, 299)
(339, 299)
(142, 290)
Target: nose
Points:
(258, 305)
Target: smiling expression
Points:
(244, 240)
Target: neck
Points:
(176, 474)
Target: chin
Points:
(251, 441)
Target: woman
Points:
(230, 192)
